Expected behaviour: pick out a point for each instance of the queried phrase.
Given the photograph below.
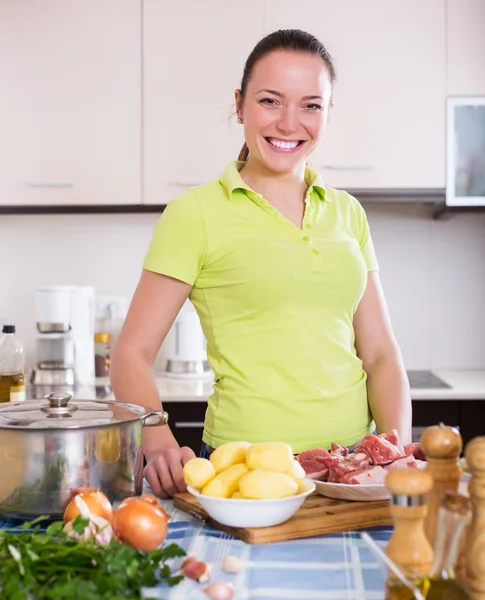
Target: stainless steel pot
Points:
(50, 447)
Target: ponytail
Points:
(244, 153)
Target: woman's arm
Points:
(387, 382)
(155, 304)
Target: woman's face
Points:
(285, 109)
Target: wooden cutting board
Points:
(316, 516)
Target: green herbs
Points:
(50, 565)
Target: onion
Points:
(96, 501)
(140, 523)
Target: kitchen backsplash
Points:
(433, 273)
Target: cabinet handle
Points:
(49, 184)
(348, 167)
(189, 424)
(185, 184)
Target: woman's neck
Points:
(290, 186)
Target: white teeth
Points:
(281, 144)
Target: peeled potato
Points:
(296, 471)
(226, 482)
(237, 495)
(198, 472)
(272, 456)
(264, 484)
(229, 454)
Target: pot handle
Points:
(156, 417)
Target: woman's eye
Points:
(269, 101)
(314, 107)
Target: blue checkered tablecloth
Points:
(328, 567)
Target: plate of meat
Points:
(359, 475)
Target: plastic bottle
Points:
(12, 361)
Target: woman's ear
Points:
(237, 98)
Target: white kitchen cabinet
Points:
(70, 105)
(387, 128)
(466, 47)
(194, 53)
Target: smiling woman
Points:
(282, 272)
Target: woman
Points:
(282, 272)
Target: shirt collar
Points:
(231, 180)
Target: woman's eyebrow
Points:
(275, 93)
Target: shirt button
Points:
(316, 251)
(306, 238)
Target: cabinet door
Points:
(70, 108)
(186, 420)
(472, 419)
(433, 412)
(465, 47)
(194, 54)
(387, 127)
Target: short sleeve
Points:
(178, 245)
(366, 244)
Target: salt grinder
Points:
(408, 546)
(475, 555)
(442, 446)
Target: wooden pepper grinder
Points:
(408, 546)
(442, 446)
(475, 555)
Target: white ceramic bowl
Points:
(238, 512)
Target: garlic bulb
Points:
(97, 526)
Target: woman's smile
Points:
(281, 145)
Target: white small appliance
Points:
(65, 335)
(185, 346)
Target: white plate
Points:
(347, 491)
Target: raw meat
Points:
(366, 475)
(338, 449)
(415, 450)
(405, 461)
(374, 456)
(379, 450)
(313, 467)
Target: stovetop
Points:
(426, 380)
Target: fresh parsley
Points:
(50, 565)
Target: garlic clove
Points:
(232, 564)
(219, 591)
(88, 532)
(195, 569)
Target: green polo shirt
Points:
(276, 305)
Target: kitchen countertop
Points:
(465, 385)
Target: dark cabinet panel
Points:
(433, 412)
(186, 420)
(472, 419)
(467, 415)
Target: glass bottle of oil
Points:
(441, 583)
(12, 361)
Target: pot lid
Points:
(60, 411)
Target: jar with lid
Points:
(102, 353)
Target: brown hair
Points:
(283, 39)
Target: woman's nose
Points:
(288, 123)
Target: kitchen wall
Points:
(433, 273)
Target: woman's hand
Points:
(164, 471)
